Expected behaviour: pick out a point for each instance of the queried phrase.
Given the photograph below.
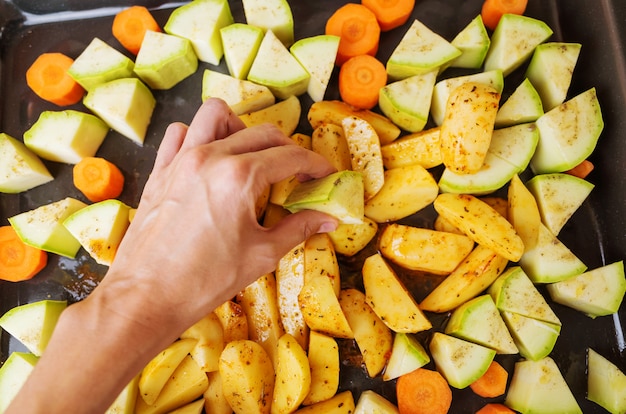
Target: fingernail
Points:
(327, 227)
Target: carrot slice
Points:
(358, 31)
(493, 10)
(360, 81)
(18, 261)
(130, 26)
(423, 391)
(495, 408)
(390, 13)
(98, 179)
(48, 78)
(582, 170)
(492, 383)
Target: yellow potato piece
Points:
(323, 357)
(422, 249)
(349, 239)
(214, 400)
(372, 336)
(422, 148)
(210, 341)
(329, 141)
(481, 223)
(293, 376)
(333, 112)
(247, 376)
(321, 308)
(342, 403)
(467, 126)
(479, 269)
(233, 320)
(390, 299)
(320, 260)
(523, 213)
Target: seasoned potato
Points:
(342, 403)
(247, 376)
(523, 213)
(422, 148)
(421, 249)
(320, 260)
(390, 299)
(365, 153)
(158, 371)
(284, 114)
(467, 126)
(372, 336)
(293, 376)
(405, 191)
(479, 269)
(481, 223)
(260, 303)
(501, 205)
(187, 383)
(210, 336)
(324, 363)
(321, 308)
(329, 141)
(349, 239)
(289, 281)
(214, 400)
(233, 320)
(333, 112)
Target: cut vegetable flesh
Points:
(606, 383)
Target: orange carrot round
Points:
(582, 170)
(493, 10)
(130, 26)
(48, 78)
(360, 81)
(358, 31)
(495, 408)
(423, 391)
(390, 13)
(492, 383)
(18, 261)
(98, 179)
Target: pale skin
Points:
(193, 244)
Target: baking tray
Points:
(596, 233)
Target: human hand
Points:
(195, 240)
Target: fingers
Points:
(170, 145)
(295, 228)
(213, 121)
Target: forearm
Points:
(94, 353)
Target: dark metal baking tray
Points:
(596, 233)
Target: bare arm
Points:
(194, 243)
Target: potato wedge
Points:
(293, 376)
(467, 126)
(481, 223)
(422, 249)
(260, 303)
(342, 403)
(320, 260)
(422, 148)
(247, 374)
(290, 276)
(475, 273)
(195, 407)
(405, 191)
(214, 400)
(210, 336)
(523, 213)
(280, 190)
(321, 308)
(501, 205)
(349, 239)
(284, 114)
(372, 336)
(364, 146)
(329, 141)
(233, 320)
(158, 371)
(390, 299)
(324, 363)
(186, 384)
(333, 112)
(441, 224)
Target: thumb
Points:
(295, 228)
